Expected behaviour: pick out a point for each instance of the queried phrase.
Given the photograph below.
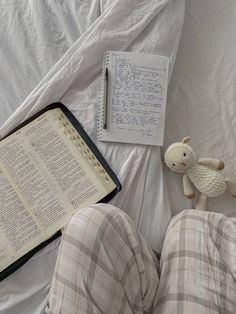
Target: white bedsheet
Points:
(36, 34)
(202, 94)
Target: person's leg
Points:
(198, 264)
(104, 266)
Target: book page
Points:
(47, 172)
(19, 232)
(21, 167)
(87, 181)
(51, 174)
(136, 100)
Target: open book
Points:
(133, 98)
(49, 169)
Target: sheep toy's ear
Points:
(164, 165)
(186, 140)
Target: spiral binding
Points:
(102, 96)
(80, 144)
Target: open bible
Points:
(49, 169)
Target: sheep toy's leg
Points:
(231, 185)
(201, 204)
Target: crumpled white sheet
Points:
(146, 26)
(152, 27)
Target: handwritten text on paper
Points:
(138, 96)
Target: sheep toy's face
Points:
(179, 157)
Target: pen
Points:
(105, 100)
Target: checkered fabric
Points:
(104, 266)
(198, 265)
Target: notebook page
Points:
(137, 88)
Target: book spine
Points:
(101, 103)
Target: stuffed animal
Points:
(204, 173)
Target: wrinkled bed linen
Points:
(37, 36)
(151, 27)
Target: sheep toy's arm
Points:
(213, 163)
(188, 189)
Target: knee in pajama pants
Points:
(104, 265)
(194, 277)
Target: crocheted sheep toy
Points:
(204, 173)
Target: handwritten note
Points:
(136, 98)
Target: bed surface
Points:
(202, 93)
(53, 55)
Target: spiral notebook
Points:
(49, 169)
(133, 98)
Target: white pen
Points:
(105, 100)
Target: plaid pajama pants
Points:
(104, 266)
